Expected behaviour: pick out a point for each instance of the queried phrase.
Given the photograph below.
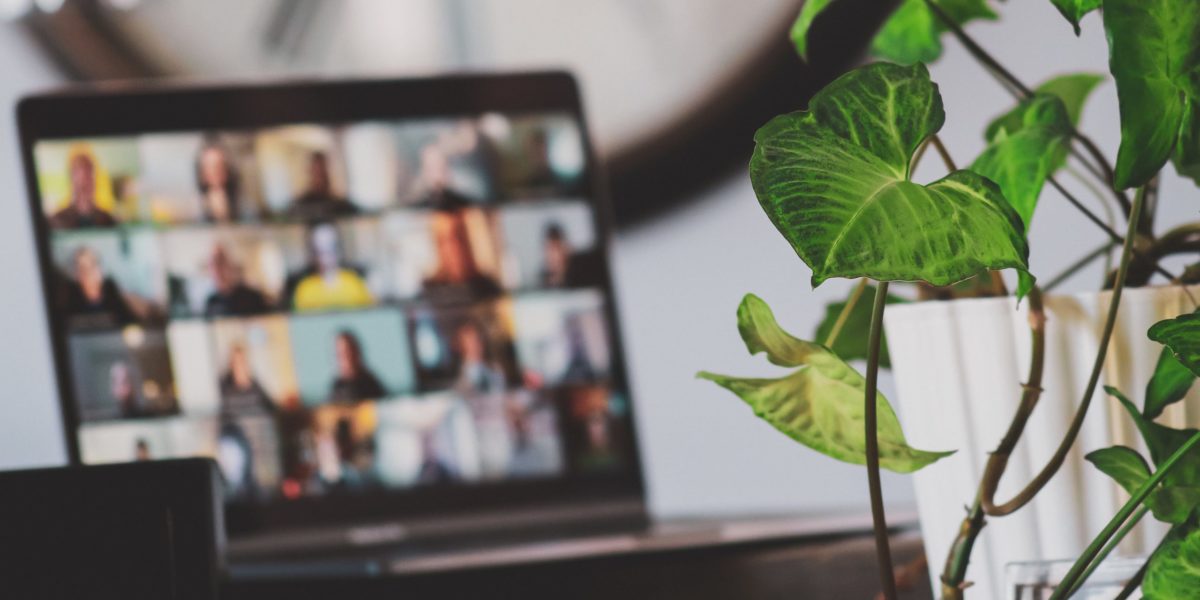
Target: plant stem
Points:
(1012, 83)
(1109, 547)
(883, 550)
(1116, 237)
(998, 460)
(1072, 577)
(1134, 582)
(845, 314)
(1104, 250)
(959, 557)
(941, 150)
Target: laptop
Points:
(384, 308)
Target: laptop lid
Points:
(367, 300)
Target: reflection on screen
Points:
(337, 309)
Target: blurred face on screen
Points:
(83, 183)
(346, 353)
(325, 248)
(556, 255)
(89, 274)
(223, 269)
(318, 174)
(214, 170)
(435, 168)
(120, 384)
(452, 246)
(239, 367)
(470, 343)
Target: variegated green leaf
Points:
(1173, 572)
(820, 404)
(835, 181)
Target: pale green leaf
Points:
(912, 34)
(1074, 10)
(1154, 55)
(1020, 161)
(804, 21)
(851, 342)
(835, 181)
(1169, 384)
(1073, 89)
(1173, 572)
(820, 404)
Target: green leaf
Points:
(1074, 10)
(851, 343)
(1021, 160)
(804, 21)
(1180, 491)
(835, 181)
(1181, 336)
(1169, 384)
(1187, 150)
(911, 35)
(1154, 55)
(820, 404)
(1123, 464)
(1072, 89)
(1174, 569)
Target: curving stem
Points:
(883, 550)
(998, 460)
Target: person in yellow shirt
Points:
(329, 284)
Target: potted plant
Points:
(836, 181)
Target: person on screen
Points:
(81, 210)
(231, 295)
(556, 257)
(217, 182)
(141, 450)
(539, 173)
(456, 269)
(235, 458)
(435, 180)
(475, 374)
(327, 283)
(123, 389)
(432, 471)
(354, 380)
(92, 298)
(241, 393)
(318, 202)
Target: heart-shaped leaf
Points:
(912, 34)
(1170, 504)
(1021, 160)
(1073, 89)
(1074, 10)
(1180, 491)
(1173, 571)
(851, 342)
(1169, 384)
(820, 404)
(1154, 55)
(835, 181)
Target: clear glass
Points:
(1036, 580)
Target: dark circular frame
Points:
(703, 145)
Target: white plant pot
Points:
(958, 369)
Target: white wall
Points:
(679, 284)
(30, 430)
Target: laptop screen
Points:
(379, 307)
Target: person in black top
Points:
(318, 201)
(456, 274)
(81, 211)
(92, 298)
(241, 393)
(354, 380)
(231, 296)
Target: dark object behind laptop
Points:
(138, 530)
